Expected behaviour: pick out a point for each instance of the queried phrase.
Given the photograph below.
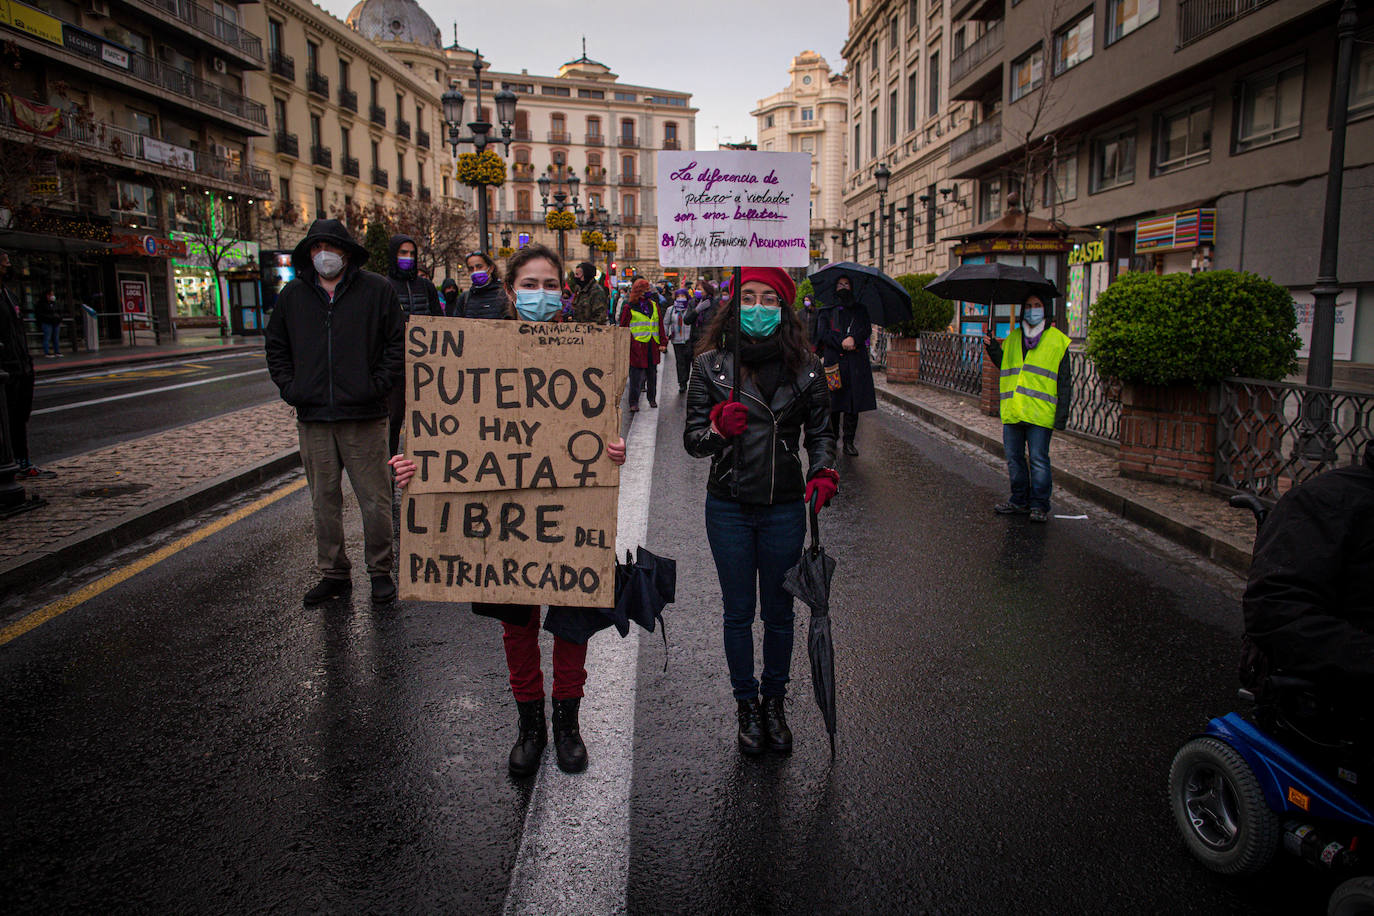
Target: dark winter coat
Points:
(14, 337)
(416, 295)
(45, 312)
(590, 303)
(484, 302)
(856, 393)
(699, 315)
(335, 360)
(1309, 603)
(1063, 382)
(767, 454)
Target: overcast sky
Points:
(727, 53)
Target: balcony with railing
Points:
(629, 219)
(629, 181)
(426, 193)
(595, 140)
(560, 136)
(403, 128)
(596, 174)
(283, 65)
(421, 138)
(405, 187)
(976, 138)
(350, 167)
(1200, 18)
(348, 98)
(627, 142)
(522, 135)
(322, 156)
(377, 114)
(206, 24)
(989, 43)
(671, 143)
(380, 178)
(522, 171)
(524, 216)
(288, 144)
(317, 83)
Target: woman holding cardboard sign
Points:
(758, 489)
(533, 290)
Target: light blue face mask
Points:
(537, 304)
(1034, 315)
(760, 321)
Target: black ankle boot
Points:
(751, 736)
(775, 726)
(567, 737)
(529, 747)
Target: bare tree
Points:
(280, 215)
(218, 227)
(443, 232)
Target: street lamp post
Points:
(453, 102)
(882, 175)
(560, 202)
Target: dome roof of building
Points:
(394, 20)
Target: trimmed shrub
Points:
(377, 241)
(928, 311)
(804, 289)
(1197, 328)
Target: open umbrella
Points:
(992, 285)
(886, 300)
(809, 581)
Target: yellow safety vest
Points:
(1030, 382)
(644, 328)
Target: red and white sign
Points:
(133, 296)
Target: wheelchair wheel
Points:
(1353, 898)
(1220, 808)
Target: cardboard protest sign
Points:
(732, 208)
(514, 499)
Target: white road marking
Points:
(113, 370)
(574, 855)
(139, 394)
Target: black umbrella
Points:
(992, 285)
(886, 300)
(809, 581)
(644, 585)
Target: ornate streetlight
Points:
(882, 175)
(453, 102)
(561, 204)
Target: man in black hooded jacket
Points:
(335, 348)
(1309, 603)
(417, 296)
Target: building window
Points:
(1113, 162)
(136, 199)
(274, 36)
(933, 85)
(375, 86)
(631, 247)
(400, 166)
(893, 40)
(593, 128)
(627, 205)
(858, 146)
(591, 93)
(872, 235)
(1183, 137)
(627, 129)
(1061, 182)
(319, 203)
(892, 117)
(624, 96)
(283, 191)
(1027, 73)
(858, 75)
(376, 156)
(806, 144)
(557, 124)
(343, 74)
(910, 221)
(555, 90)
(627, 166)
(989, 199)
(930, 214)
(315, 131)
(1073, 44)
(344, 144)
(593, 160)
(312, 56)
(1125, 16)
(808, 114)
(1270, 107)
(524, 205)
(279, 112)
(911, 90)
(873, 132)
(144, 124)
(768, 121)
(670, 132)
(1362, 77)
(522, 155)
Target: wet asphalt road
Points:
(65, 422)
(193, 740)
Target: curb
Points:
(1196, 536)
(49, 370)
(84, 547)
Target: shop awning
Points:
(32, 241)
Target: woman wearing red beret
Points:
(758, 488)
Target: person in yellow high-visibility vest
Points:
(1035, 387)
(643, 315)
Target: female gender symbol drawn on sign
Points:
(586, 475)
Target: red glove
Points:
(823, 487)
(727, 418)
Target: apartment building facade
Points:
(811, 115)
(124, 120)
(1180, 135)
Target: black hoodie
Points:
(336, 359)
(416, 294)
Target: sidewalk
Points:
(1197, 520)
(186, 346)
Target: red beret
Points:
(775, 277)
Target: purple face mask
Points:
(480, 277)
(405, 263)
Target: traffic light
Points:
(613, 267)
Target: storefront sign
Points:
(80, 41)
(1087, 254)
(1003, 246)
(133, 297)
(148, 246)
(1177, 231)
(733, 207)
(27, 19)
(45, 185)
(168, 154)
(115, 56)
(515, 499)
(1345, 323)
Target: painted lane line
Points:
(113, 371)
(105, 583)
(139, 394)
(574, 851)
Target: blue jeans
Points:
(754, 547)
(50, 338)
(1029, 486)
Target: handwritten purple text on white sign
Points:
(729, 208)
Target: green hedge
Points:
(928, 311)
(804, 289)
(1196, 328)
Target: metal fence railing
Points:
(1200, 18)
(877, 348)
(1273, 435)
(1095, 406)
(952, 361)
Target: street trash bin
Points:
(91, 327)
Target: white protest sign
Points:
(734, 208)
(1345, 322)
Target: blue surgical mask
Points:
(1034, 316)
(760, 321)
(405, 264)
(537, 304)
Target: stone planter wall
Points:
(1169, 434)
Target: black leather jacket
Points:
(771, 471)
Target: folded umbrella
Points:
(809, 581)
(886, 301)
(644, 585)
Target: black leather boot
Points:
(534, 735)
(567, 737)
(751, 736)
(775, 726)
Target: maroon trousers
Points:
(522, 658)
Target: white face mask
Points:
(327, 264)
